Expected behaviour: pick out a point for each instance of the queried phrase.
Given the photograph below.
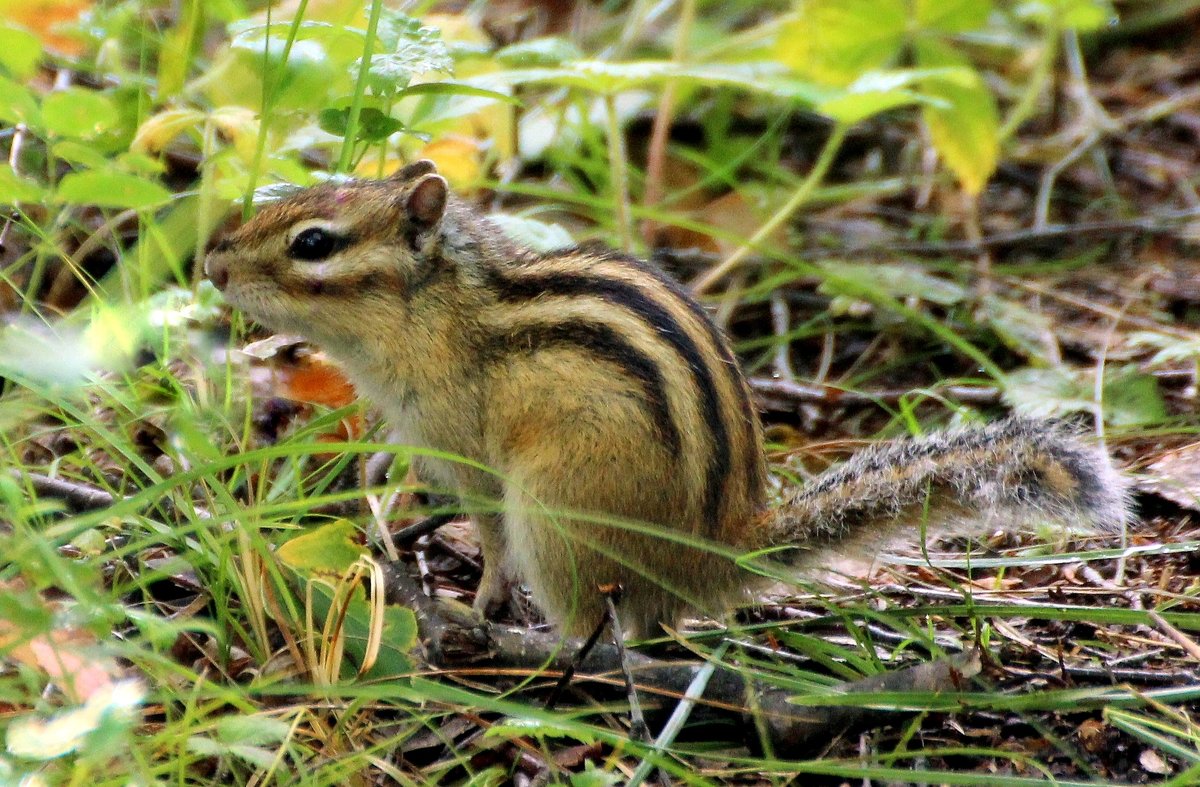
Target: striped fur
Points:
(590, 380)
(1008, 474)
(625, 286)
(599, 392)
(605, 345)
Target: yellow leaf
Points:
(158, 130)
(965, 132)
(835, 41)
(240, 126)
(459, 159)
(328, 550)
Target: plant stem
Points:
(360, 87)
(205, 204)
(798, 198)
(270, 88)
(619, 169)
(1037, 83)
(656, 158)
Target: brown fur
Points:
(617, 427)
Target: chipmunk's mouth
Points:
(217, 270)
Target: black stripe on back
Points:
(737, 383)
(632, 298)
(605, 343)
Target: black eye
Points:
(314, 244)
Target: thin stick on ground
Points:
(580, 655)
(637, 720)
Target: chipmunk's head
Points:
(337, 261)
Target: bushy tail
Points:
(973, 481)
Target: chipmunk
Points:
(616, 426)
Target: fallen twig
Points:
(829, 395)
(78, 496)
(792, 729)
(1166, 222)
(81, 497)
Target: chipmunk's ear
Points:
(413, 170)
(426, 201)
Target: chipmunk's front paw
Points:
(495, 590)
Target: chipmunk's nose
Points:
(216, 266)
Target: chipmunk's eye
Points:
(314, 244)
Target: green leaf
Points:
(835, 41)
(306, 79)
(397, 29)
(256, 756)
(850, 108)
(456, 89)
(204, 746)
(14, 188)
(66, 355)
(94, 728)
(34, 352)
(488, 777)
(373, 124)
(80, 153)
(1027, 332)
(539, 52)
(17, 104)
(952, 16)
(879, 91)
(1133, 398)
(329, 549)
(602, 77)
(1079, 15)
(111, 190)
(1171, 349)
(20, 51)
(399, 632)
(1046, 393)
(899, 281)
(1084, 15)
(592, 776)
(76, 112)
(965, 125)
(139, 163)
(408, 49)
(1129, 397)
(399, 638)
(252, 730)
(514, 727)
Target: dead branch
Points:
(798, 392)
(483, 647)
(79, 497)
(1165, 223)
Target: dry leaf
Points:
(46, 18)
(1152, 762)
(66, 656)
(1176, 477)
